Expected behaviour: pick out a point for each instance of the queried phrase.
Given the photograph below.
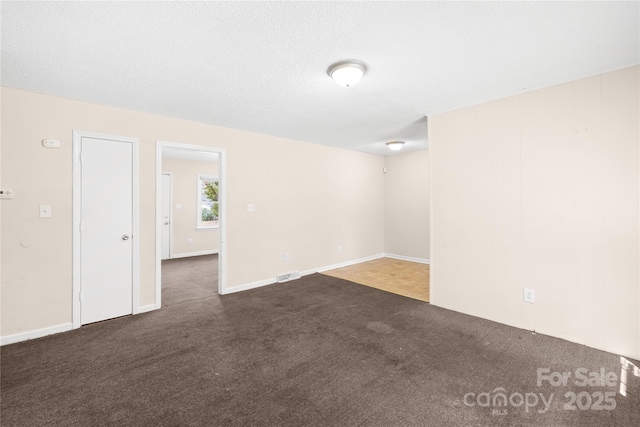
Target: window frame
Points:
(199, 188)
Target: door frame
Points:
(170, 213)
(222, 212)
(77, 213)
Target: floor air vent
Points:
(289, 276)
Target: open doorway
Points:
(190, 221)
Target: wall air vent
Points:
(289, 276)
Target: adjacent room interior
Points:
(407, 278)
(190, 234)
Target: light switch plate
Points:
(45, 211)
(6, 194)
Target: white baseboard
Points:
(408, 258)
(64, 327)
(248, 286)
(267, 282)
(190, 254)
(146, 308)
(37, 333)
(342, 264)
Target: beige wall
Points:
(406, 222)
(185, 188)
(309, 200)
(542, 191)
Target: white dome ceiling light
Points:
(347, 73)
(395, 145)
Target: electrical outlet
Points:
(339, 249)
(190, 241)
(286, 256)
(529, 295)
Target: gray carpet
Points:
(318, 351)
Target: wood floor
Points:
(410, 279)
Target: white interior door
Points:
(106, 254)
(166, 216)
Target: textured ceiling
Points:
(261, 66)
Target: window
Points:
(207, 201)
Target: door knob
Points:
(166, 223)
(125, 237)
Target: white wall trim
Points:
(136, 227)
(408, 258)
(159, 172)
(342, 264)
(36, 333)
(433, 284)
(147, 308)
(190, 254)
(266, 282)
(247, 286)
(222, 212)
(64, 327)
(170, 174)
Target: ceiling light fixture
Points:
(347, 73)
(395, 145)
